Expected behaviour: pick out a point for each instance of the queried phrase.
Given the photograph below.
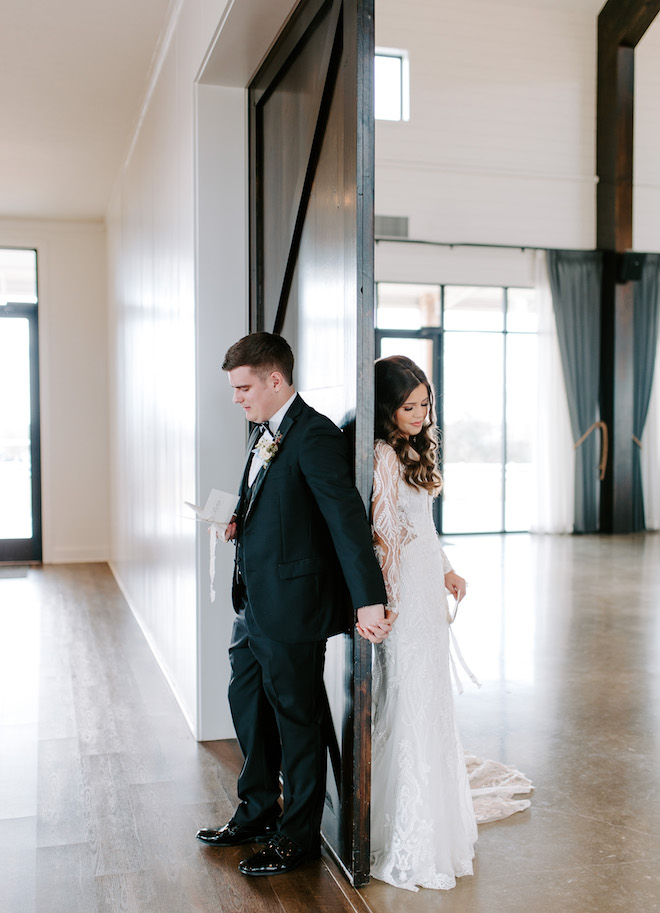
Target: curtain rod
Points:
(521, 247)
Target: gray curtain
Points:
(645, 333)
(575, 282)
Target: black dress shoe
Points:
(233, 834)
(278, 856)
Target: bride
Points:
(423, 821)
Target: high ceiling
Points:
(73, 74)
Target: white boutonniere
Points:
(267, 449)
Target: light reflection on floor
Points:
(19, 697)
(564, 634)
(496, 622)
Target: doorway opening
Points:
(478, 346)
(20, 463)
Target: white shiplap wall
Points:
(646, 165)
(500, 146)
(178, 299)
(151, 225)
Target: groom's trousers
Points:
(277, 702)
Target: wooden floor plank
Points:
(64, 880)
(104, 786)
(18, 869)
(61, 790)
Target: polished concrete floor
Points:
(101, 786)
(564, 634)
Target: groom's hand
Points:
(372, 623)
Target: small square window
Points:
(392, 85)
(18, 276)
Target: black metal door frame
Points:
(28, 550)
(435, 334)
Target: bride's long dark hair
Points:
(396, 378)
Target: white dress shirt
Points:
(273, 423)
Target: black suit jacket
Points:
(306, 553)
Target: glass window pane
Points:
(388, 84)
(473, 308)
(420, 350)
(472, 440)
(522, 313)
(15, 466)
(18, 276)
(521, 407)
(407, 306)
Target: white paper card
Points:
(218, 509)
(217, 512)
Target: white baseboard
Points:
(82, 554)
(154, 649)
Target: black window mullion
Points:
(504, 406)
(439, 382)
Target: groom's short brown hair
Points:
(263, 352)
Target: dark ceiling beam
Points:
(624, 22)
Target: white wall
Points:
(73, 384)
(395, 262)
(646, 191)
(222, 293)
(178, 298)
(500, 146)
(151, 227)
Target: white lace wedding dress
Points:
(423, 820)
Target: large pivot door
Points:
(311, 237)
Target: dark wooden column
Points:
(621, 25)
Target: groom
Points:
(303, 556)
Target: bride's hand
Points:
(456, 585)
(373, 623)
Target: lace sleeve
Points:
(446, 563)
(384, 519)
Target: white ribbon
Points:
(214, 534)
(454, 648)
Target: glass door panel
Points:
(425, 352)
(419, 350)
(521, 410)
(15, 468)
(20, 501)
(472, 442)
(522, 310)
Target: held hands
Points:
(374, 623)
(456, 585)
(230, 531)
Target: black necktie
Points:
(263, 427)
